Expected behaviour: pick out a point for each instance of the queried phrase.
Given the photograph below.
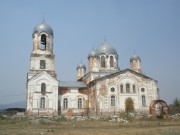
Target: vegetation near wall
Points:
(129, 105)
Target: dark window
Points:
(65, 103)
(103, 64)
(121, 88)
(112, 100)
(142, 89)
(42, 64)
(111, 61)
(112, 89)
(143, 100)
(127, 88)
(42, 102)
(43, 88)
(43, 42)
(79, 103)
(134, 88)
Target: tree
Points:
(129, 105)
(176, 105)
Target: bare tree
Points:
(176, 105)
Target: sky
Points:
(150, 27)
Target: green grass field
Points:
(19, 126)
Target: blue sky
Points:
(150, 27)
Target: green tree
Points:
(176, 105)
(129, 105)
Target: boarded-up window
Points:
(143, 100)
(42, 64)
(134, 88)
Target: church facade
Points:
(103, 88)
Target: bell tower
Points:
(42, 57)
(42, 83)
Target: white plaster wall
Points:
(148, 84)
(34, 93)
(72, 97)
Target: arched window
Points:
(79, 103)
(43, 88)
(111, 61)
(42, 102)
(42, 64)
(43, 42)
(65, 103)
(103, 63)
(134, 88)
(143, 100)
(121, 88)
(127, 88)
(112, 100)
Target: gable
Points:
(43, 76)
(127, 73)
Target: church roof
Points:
(135, 57)
(72, 84)
(43, 27)
(81, 65)
(121, 72)
(106, 49)
(92, 53)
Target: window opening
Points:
(142, 89)
(134, 88)
(42, 64)
(79, 103)
(103, 64)
(127, 88)
(112, 89)
(112, 100)
(121, 88)
(143, 100)
(43, 88)
(111, 61)
(43, 42)
(65, 103)
(42, 102)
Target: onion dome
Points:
(81, 65)
(106, 49)
(43, 27)
(92, 53)
(135, 57)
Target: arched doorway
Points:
(159, 108)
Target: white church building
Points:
(104, 88)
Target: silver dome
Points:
(106, 49)
(135, 57)
(81, 65)
(92, 53)
(43, 27)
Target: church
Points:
(101, 88)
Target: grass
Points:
(17, 126)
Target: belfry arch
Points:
(162, 105)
